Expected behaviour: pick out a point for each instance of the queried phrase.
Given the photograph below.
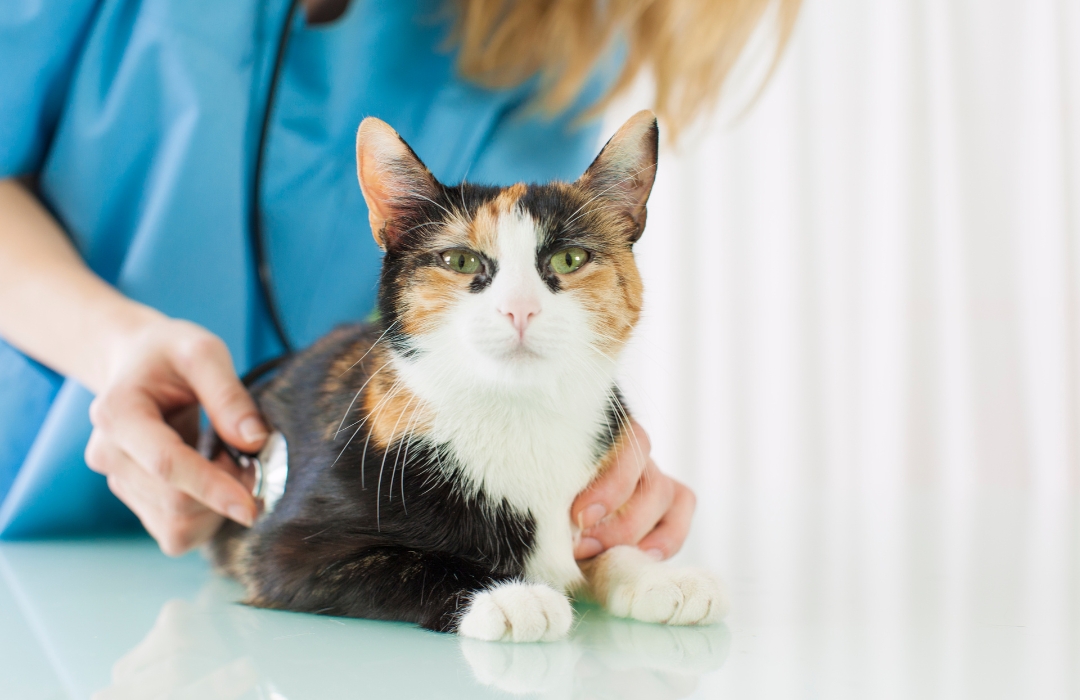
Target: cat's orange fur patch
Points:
(485, 225)
(611, 292)
(355, 360)
(612, 295)
(393, 411)
(431, 292)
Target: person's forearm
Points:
(52, 306)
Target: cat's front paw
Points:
(517, 612)
(673, 596)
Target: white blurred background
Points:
(861, 347)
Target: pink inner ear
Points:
(389, 174)
(376, 194)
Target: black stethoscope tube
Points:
(255, 231)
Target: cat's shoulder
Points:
(327, 369)
(344, 348)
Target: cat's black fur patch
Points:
(361, 532)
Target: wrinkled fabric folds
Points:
(141, 119)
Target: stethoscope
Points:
(271, 470)
(271, 464)
(255, 231)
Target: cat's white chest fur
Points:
(535, 451)
(535, 460)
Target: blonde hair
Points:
(689, 46)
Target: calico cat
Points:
(433, 455)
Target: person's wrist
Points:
(126, 324)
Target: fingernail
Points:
(252, 429)
(657, 554)
(588, 547)
(241, 515)
(591, 515)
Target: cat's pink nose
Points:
(520, 312)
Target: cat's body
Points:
(433, 457)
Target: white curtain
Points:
(861, 347)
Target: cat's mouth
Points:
(520, 351)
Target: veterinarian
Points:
(154, 155)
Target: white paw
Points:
(670, 595)
(517, 612)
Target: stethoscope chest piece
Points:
(271, 467)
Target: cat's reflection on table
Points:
(214, 649)
(605, 657)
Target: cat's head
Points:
(509, 284)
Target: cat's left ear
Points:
(392, 178)
(622, 175)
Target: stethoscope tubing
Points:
(256, 234)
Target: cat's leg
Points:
(441, 592)
(515, 611)
(629, 583)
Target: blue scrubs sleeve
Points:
(40, 41)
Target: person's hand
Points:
(633, 502)
(145, 423)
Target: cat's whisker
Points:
(432, 474)
(368, 352)
(360, 423)
(461, 191)
(426, 223)
(626, 380)
(355, 397)
(596, 210)
(316, 534)
(354, 424)
(400, 445)
(382, 467)
(410, 430)
(346, 446)
(367, 440)
(429, 199)
(603, 353)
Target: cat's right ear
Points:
(391, 177)
(622, 176)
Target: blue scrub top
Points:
(141, 121)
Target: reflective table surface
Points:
(904, 601)
(113, 618)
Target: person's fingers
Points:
(174, 533)
(246, 477)
(651, 500)
(135, 425)
(177, 521)
(616, 484)
(204, 362)
(99, 453)
(143, 489)
(670, 533)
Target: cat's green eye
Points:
(461, 260)
(568, 260)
